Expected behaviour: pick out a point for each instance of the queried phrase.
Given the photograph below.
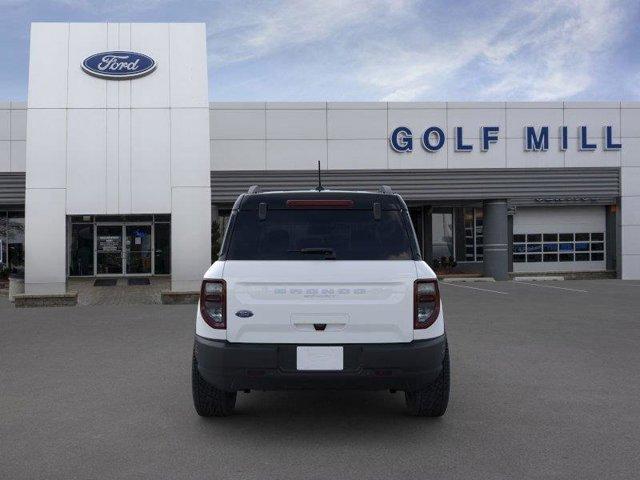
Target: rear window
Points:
(318, 234)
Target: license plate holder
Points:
(325, 358)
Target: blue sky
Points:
(378, 49)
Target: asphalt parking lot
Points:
(545, 384)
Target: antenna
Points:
(320, 187)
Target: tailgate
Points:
(320, 301)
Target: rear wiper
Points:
(329, 253)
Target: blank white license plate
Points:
(320, 358)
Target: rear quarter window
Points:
(350, 234)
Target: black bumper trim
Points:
(373, 366)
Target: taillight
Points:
(426, 303)
(213, 303)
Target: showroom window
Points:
(11, 242)
(4, 268)
(442, 231)
(473, 219)
(162, 240)
(558, 247)
(81, 249)
(218, 228)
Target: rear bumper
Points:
(240, 366)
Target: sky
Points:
(377, 50)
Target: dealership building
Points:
(118, 165)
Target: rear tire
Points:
(208, 400)
(433, 400)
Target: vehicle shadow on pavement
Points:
(332, 414)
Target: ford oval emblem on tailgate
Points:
(244, 313)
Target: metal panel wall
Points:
(12, 188)
(524, 186)
(521, 187)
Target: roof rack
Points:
(253, 189)
(386, 189)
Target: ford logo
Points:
(244, 313)
(118, 65)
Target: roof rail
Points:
(386, 189)
(253, 189)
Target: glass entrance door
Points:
(124, 249)
(139, 249)
(109, 250)
(112, 246)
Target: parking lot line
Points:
(474, 288)
(551, 286)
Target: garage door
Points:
(559, 239)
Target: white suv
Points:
(320, 289)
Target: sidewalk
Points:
(121, 293)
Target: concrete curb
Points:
(24, 300)
(538, 279)
(179, 298)
(608, 274)
(467, 279)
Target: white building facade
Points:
(116, 147)
(136, 175)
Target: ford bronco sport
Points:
(320, 289)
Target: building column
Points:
(460, 253)
(611, 238)
(190, 193)
(496, 254)
(427, 235)
(629, 266)
(510, 214)
(45, 241)
(190, 237)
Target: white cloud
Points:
(247, 33)
(400, 49)
(405, 50)
(546, 51)
(569, 50)
(100, 6)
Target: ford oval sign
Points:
(118, 65)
